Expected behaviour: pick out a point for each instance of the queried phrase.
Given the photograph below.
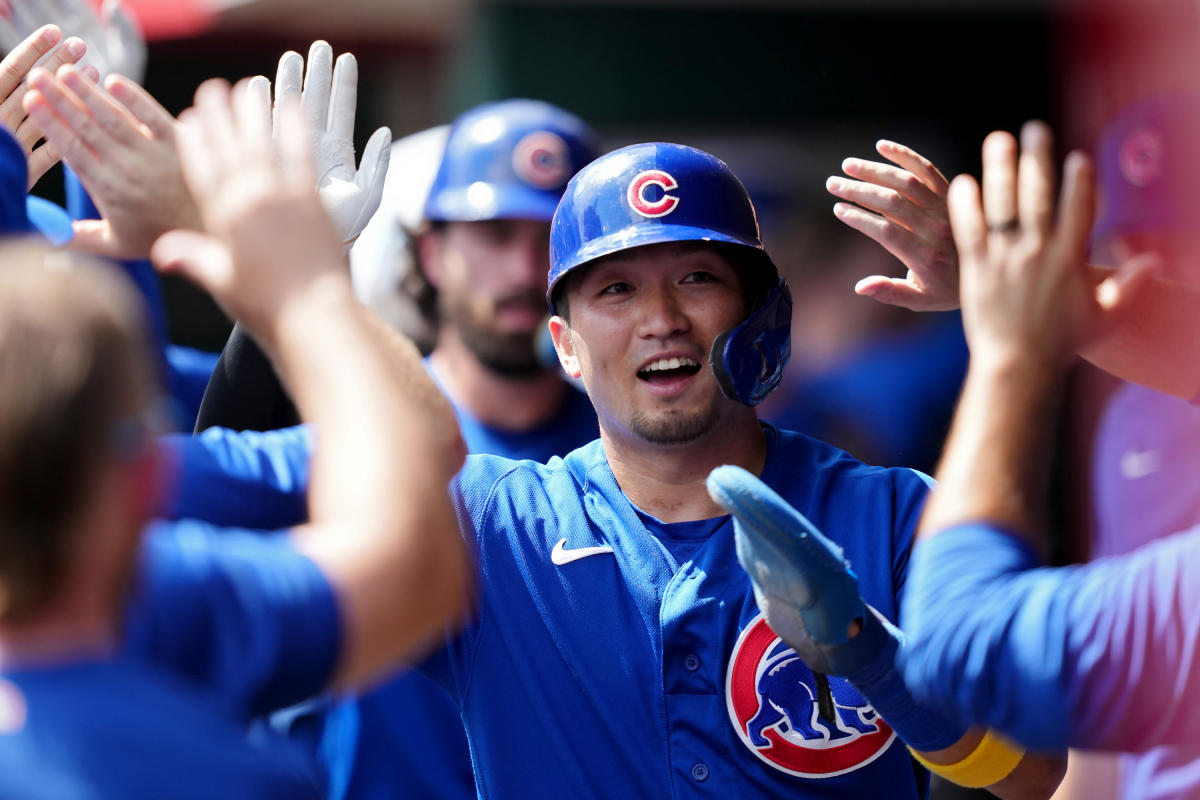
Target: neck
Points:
(668, 481)
(79, 622)
(504, 402)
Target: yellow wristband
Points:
(992, 760)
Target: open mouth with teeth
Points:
(665, 369)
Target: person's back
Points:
(118, 728)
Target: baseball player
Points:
(617, 649)
(484, 254)
(136, 688)
(1097, 656)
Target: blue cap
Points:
(21, 213)
(1149, 168)
(508, 160)
(652, 193)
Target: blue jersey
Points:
(121, 728)
(574, 425)
(406, 737)
(245, 479)
(1098, 656)
(239, 613)
(616, 656)
(221, 625)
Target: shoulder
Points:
(805, 458)
(485, 480)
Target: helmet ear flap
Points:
(748, 359)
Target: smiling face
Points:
(491, 282)
(642, 323)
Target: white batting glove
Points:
(329, 99)
(115, 43)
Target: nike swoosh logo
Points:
(561, 555)
(1135, 464)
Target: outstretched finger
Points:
(61, 128)
(1116, 293)
(967, 220)
(317, 84)
(1035, 178)
(110, 115)
(141, 105)
(1077, 207)
(896, 239)
(252, 106)
(1000, 181)
(896, 179)
(289, 79)
(880, 199)
(344, 99)
(900, 292)
(915, 163)
(295, 147)
(22, 58)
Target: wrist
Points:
(304, 311)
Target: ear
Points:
(151, 476)
(429, 257)
(564, 345)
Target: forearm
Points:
(1097, 656)
(1155, 344)
(383, 528)
(994, 465)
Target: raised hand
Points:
(115, 43)
(329, 98)
(23, 54)
(902, 206)
(121, 143)
(1026, 292)
(266, 235)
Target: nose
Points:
(663, 316)
(528, 262)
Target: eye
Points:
(616, 287)
(700, 276)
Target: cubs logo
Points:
(542, 159)
(636, 193)
(1141, 156)
(772, 700)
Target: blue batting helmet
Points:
(651, 193)
(508, 160)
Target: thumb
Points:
(373, 167)
(200, 258)
(95, 236)
(1116, 292)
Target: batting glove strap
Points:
(872, 656)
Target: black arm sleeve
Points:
(244, 393)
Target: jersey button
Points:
(700, 772)
(691, 662)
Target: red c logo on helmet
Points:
(636, 194)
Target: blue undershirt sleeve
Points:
(240, 612)
(248, 479)
(1098, 656)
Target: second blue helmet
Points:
(508, 160)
